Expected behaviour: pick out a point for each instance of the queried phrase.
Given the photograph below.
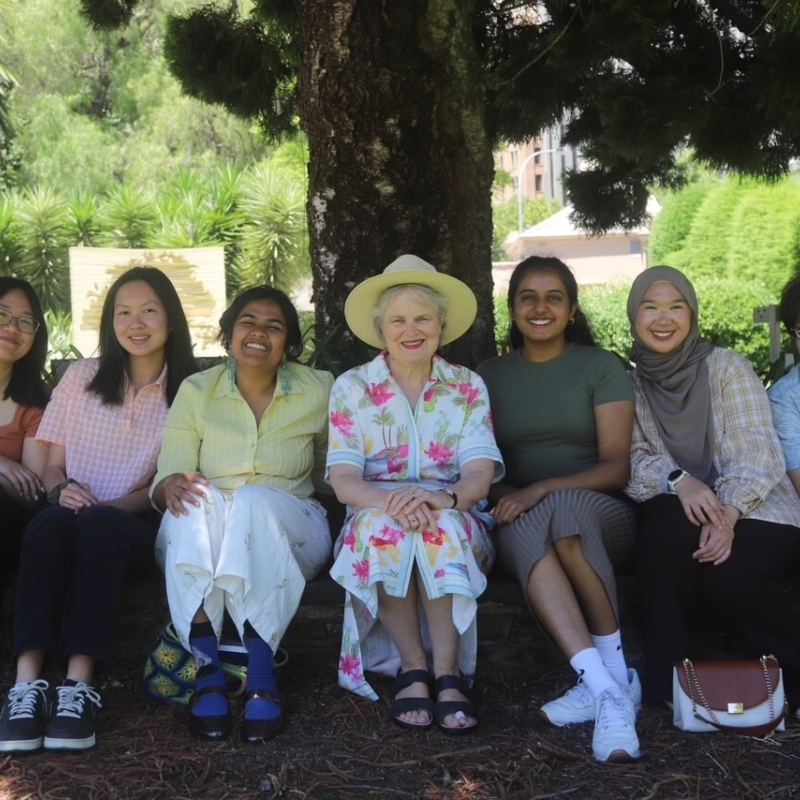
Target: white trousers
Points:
(250, 552)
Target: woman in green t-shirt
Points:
(563, 413)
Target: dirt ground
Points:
(338, 746)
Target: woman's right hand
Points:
(517, 502)
(181, 488)
(24, 482)
(700, 504)
(77, 496)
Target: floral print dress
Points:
(373, 427)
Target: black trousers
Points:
(745, 591)
(71, 573)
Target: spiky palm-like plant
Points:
(44, 226)
(84, 226)
(273, 235)
(10, 244)
(127, 218)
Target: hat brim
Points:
(461, 311)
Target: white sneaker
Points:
(577, 704)
(615, 736)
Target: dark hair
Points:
(294, 336)
(26, 387)
(790, 303)
(109, 382)
(577, 331)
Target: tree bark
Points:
(393, 103)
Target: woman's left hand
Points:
(417, 509)
(716, 541)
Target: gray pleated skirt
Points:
(607, 526)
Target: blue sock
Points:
(260, 676)
(203, 642)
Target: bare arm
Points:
(22, 480)
(614, 423)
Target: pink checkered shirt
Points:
(114, 449)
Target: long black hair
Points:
(294, 336)
(577, 331)
(790, 304)
(109, 381)
(26, 387)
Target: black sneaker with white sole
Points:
(71, 725)
(24, 716)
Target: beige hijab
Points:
(676, 384)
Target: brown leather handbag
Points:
(744, 697)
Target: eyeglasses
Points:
(25, 324)
(795, 332)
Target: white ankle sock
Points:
(610, 649)
(590, 667)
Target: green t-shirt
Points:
(544, 413)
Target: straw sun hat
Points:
(461, 310)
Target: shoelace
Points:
(72, 698)
(22, 699)
(613, 711)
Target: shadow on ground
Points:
(338, 746)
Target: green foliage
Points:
(127, 218)
(83, 222)
(726, 317)
(732, 228)
(273, 234)
(10, 244)
(108, 14)
(671, 226)
(235, 63)
(59, 333)
(95, 108)
(43, 228)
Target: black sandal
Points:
(210, 727)
(261, 730)
(444, 708)
(406, 704)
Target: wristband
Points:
(54, 495)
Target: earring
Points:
(232, 372)
(572, 320)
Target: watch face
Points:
(675, 474)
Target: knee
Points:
(100, 528)
(569, 550)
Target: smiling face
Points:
(14, 344)
(411, 329)
(140, 320)
(258, 338)
(663, 319)
(541, 310)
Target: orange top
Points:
(24, 426)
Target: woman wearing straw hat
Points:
(412, 454)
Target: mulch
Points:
(336, 745)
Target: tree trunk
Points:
(393, 103)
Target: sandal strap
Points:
(263, 694)
(406, 704)
(458, 682)
(405, 679)
(210, 689)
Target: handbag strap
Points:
(761, 731)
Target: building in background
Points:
(536, 168)
(617, 255)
